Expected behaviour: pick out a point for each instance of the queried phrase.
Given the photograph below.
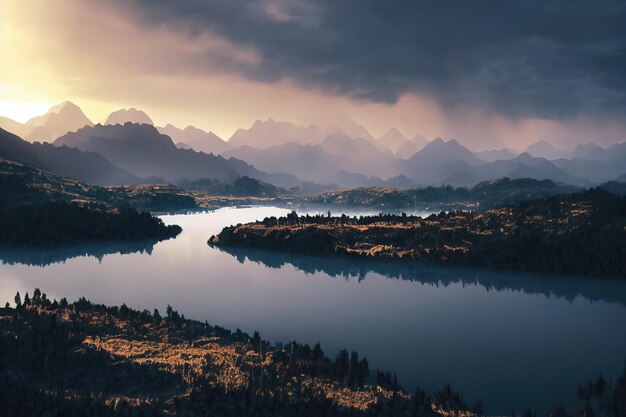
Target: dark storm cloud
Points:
(522, 58)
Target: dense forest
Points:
(84, 359)
(579, 234)
(51, 224)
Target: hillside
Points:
(25, 185)
(73, 163)
(88, 359)
(484, 195)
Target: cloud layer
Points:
(486, 73)
(534, 58)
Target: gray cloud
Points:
(533, 58)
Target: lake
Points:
(514, 340)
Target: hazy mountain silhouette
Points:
(67, 162)
(348, 162)
(393, 139)
(438, 159)
(57, 121)
(544, 149)
(599, 166)
(346, 179)
(196, 139)
(496, 154)
(589, 151)
(374, 160)
(522, 166)
(60, 119)
(411, 147)
(17, 128)
(263, 135)
(131, 115)
(334, 160)
(351, 129)
(344, 154)
(145, 152)
(309, 162)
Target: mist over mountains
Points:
(131, 115)
(129, 148)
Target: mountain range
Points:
(129, 148)
(196, 139)
(64, 161)
(142, 150)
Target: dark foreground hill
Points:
(83, 359)
(581, 234)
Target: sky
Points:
(488, 73)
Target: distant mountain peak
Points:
(544, 149)
(196, 139)
(58, 120)
(524, 157)
(131, 115)
(393, 139)
(394, 132)
(263, 135)
(64, 106)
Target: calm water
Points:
(513, 340)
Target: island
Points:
(582, 233)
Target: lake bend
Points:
(513, 340)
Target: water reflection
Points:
(511, 339)
(566, 287)
(49, 256)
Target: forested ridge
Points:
(579, 234)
